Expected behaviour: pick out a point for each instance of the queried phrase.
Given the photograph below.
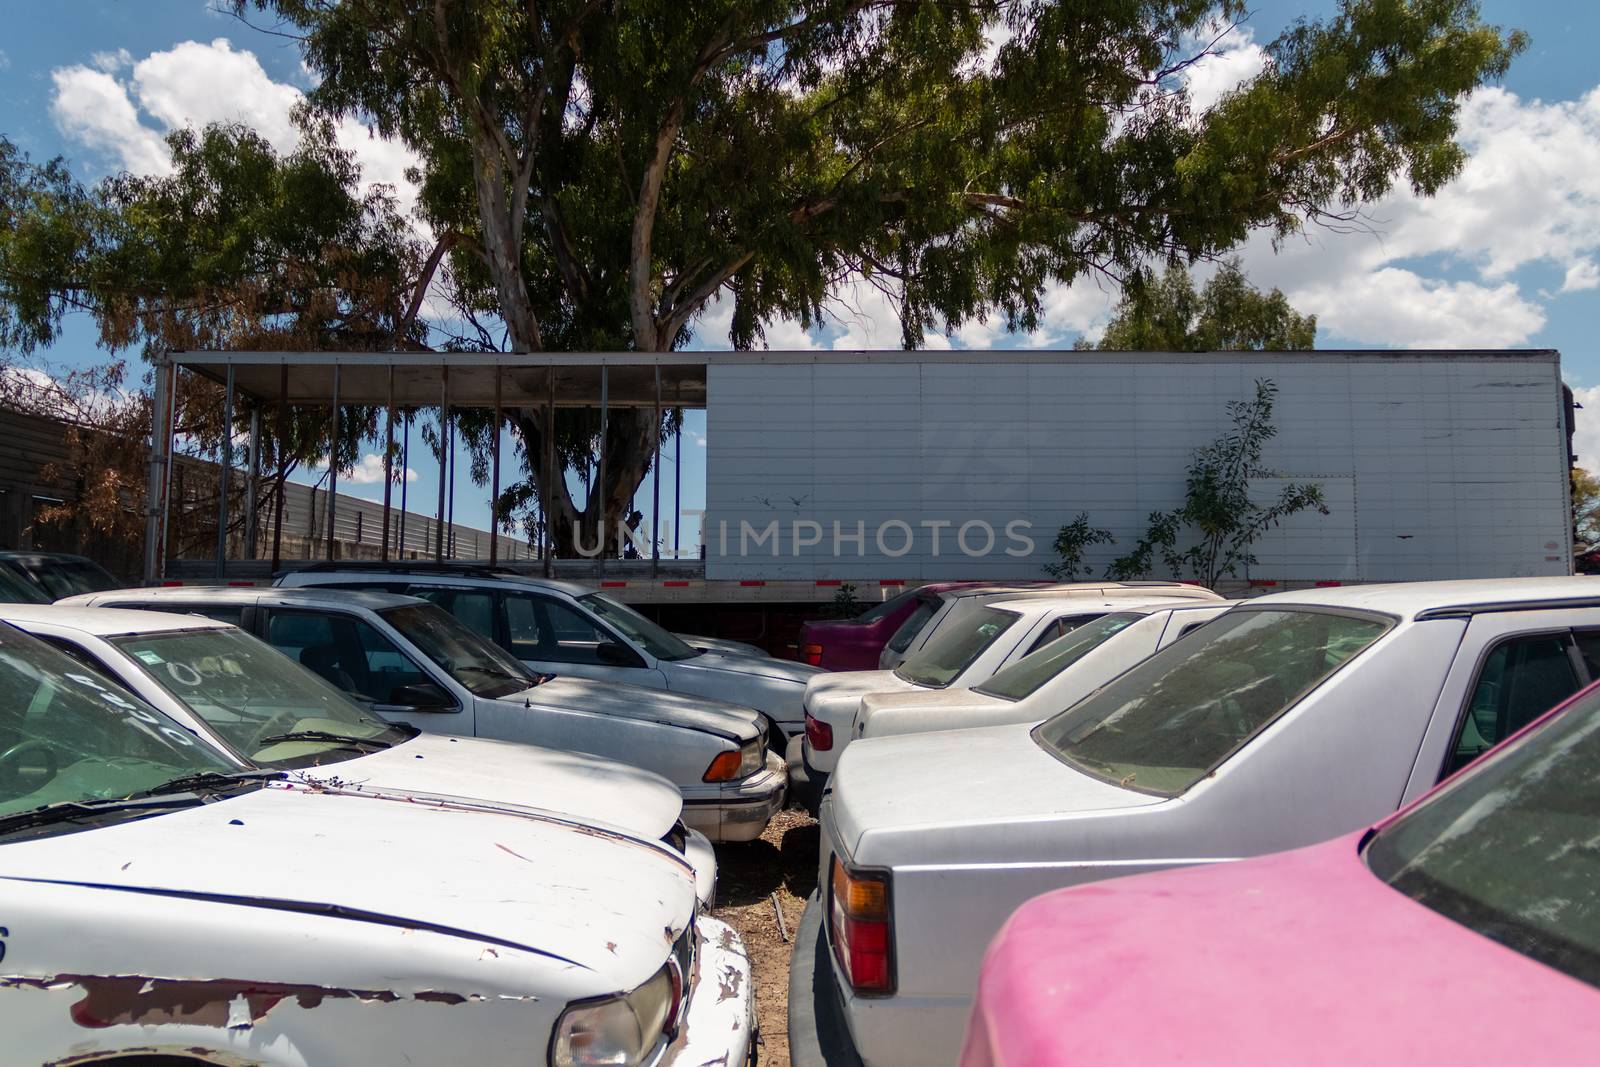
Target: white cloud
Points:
(5, 60)
(370, 471)
(192, 84)
(111, 62)
(1233, 60)
(1583, 274)
(90, 107)
(1400, 308)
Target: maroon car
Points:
(854, 644)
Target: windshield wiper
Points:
(373, 744)
(78, 810)
(209, 780)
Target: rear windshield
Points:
(1165, 724)
(888, 607)
(1036, 668)
(1510, 850)
(913, 625)
(948, 653)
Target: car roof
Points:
(103, 622)
(1422, 600)
(441, 572)
(213, 594)
(1044, 604)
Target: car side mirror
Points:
(423, 696)
(615, 655)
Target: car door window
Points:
(345, 650)
(473, 608)
(232, 614)
(1059, 628)
(913, 625)
(1521, 679)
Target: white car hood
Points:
(769, 667)
(512, 879)
(650, 705)
(568, 784)
(991, 775)
(832, 690)
(722, 644)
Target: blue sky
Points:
(1507, 256)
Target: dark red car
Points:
(854, 644)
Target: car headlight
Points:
(618, 1031)
(730, 766)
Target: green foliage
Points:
(844, 604)
(1585, 510)
(1217, 512)
(598, 173)
(1228, 314)
(238, 247)
(1071, 541)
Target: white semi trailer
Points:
(922, 466)
(887, 469)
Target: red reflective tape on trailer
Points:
(171, 582)
(891, 581)
(1263, 583)
(676, 585)
(612, 585)
(1328, 585)
(752, 581)
(830, 581)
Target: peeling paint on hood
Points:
(598, 901)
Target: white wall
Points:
(1434, 465)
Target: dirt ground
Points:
(783, 863)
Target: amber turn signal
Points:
(725, 768)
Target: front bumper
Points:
(806, 783)
(742, 809)
(720, 1026)
(818, 1033)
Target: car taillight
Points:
(818, 734)
(813, 654)
(858, 914)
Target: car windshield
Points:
(1036, 668)
(478, 665)
(1509, 851)
(641, 631)
(69, 577)
(913, 625)
(951, 651)
(68, 735)
(15, 589)
(269, 709)
(1168, 722)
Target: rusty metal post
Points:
(405, 470)
(549, 473)
(224, 468)
(655, 488)
(388, 465)
(333, 466)
(444, 417)
(283, 463)
(600, 477)
(494, 475)
(252, 485)
(155, 515)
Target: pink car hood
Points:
(1302, 958)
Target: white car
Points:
(1287, 720)
(159, 906)
(262, 709)
(1043, 682)
(931, 615)
(975, 636)
(409, 661)
(563, 628)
